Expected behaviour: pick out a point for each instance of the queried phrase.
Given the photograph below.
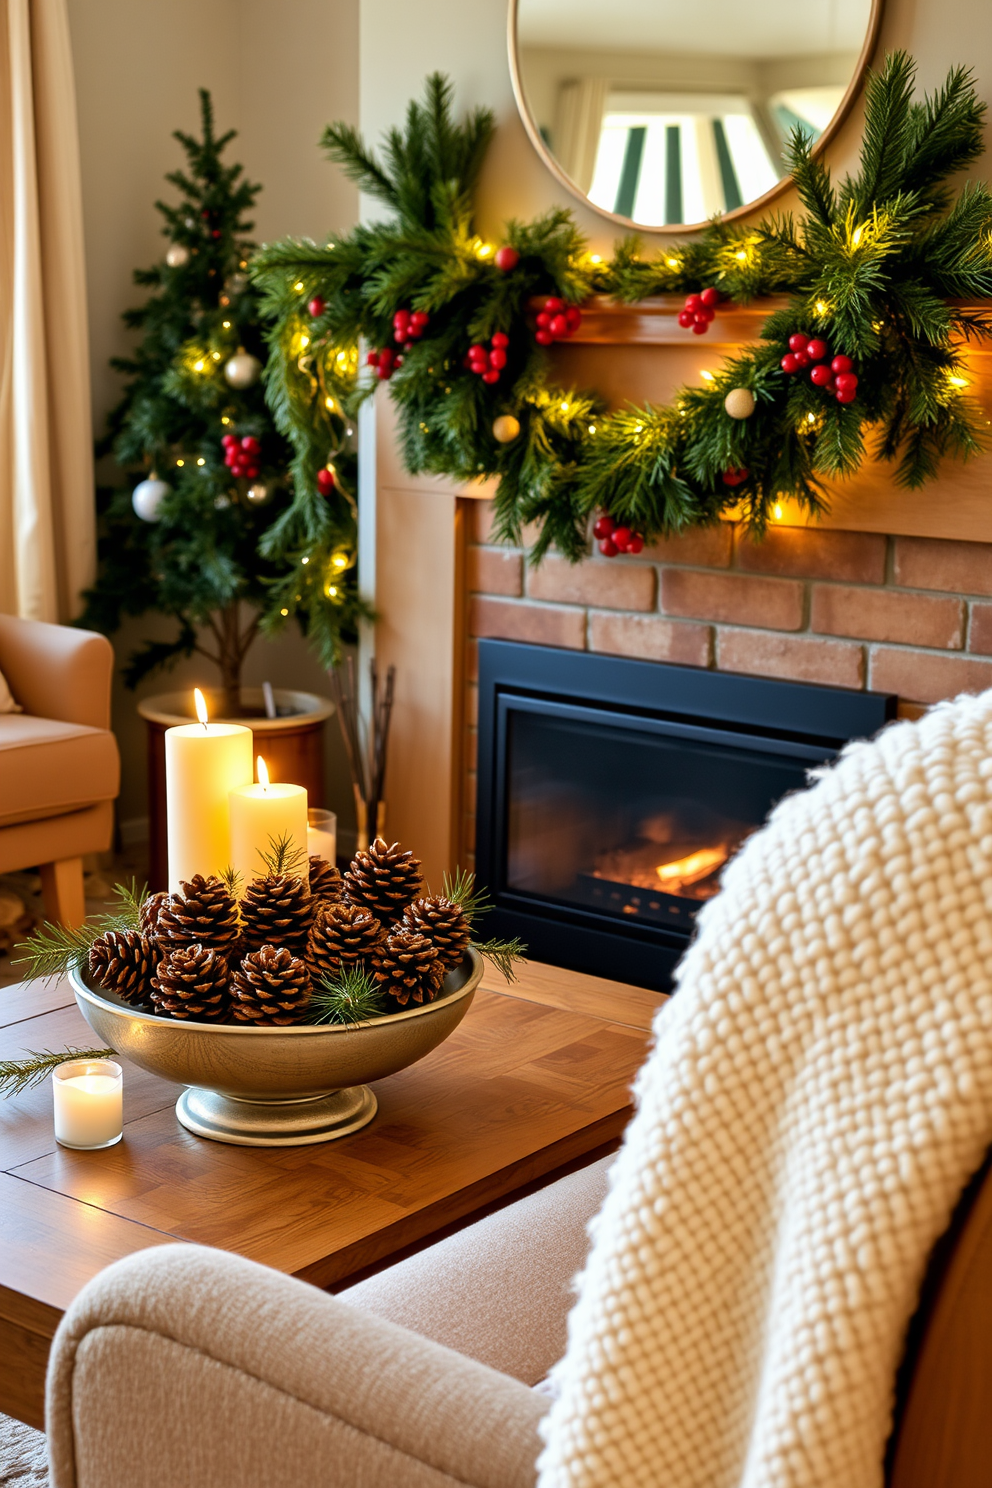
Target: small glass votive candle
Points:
(322, 835)
(89, 1106)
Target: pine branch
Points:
(284, 858)
(18, 1075)
(461, 890)
(351, 998)
(503, 954)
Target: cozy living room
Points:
(496, 744)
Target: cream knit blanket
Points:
(819, 1093)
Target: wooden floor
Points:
(535, 1078)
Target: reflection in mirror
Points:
(669, 112)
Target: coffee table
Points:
(536, 1078)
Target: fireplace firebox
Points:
(611, 792)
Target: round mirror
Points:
(663, 113)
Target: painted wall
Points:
(278, 73)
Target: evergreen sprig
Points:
(503, 954)
(352, 997)
(18, 1075)
(283, 857)
(870, 267)
(54, 950)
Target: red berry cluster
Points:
(699, 310)
(835, 375)
(614, 538)
(385, 362)
(241, 455)
(409, 326)
(557, 321)
(488, 364)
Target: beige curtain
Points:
(47, 520)
(579, 122)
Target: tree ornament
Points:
(177, 256)
(325, 480)
(236, 284)
(506, 259)
(506, 428)
(122, 961)
(241, 456)
(739, 403)
(270, 986)
(408, 967)
(147, 497)
(191, 982)
(383, 879)
(735, 475)
(242, 370)
(317, 306)
(258, 493)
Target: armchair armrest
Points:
(194, 1366)
(56, 671)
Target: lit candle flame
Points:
(263, 774)
(201, 706)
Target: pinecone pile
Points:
(200, 955)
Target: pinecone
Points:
(150, 911)
(383, 879)
(407, 966)
(326, 884)
(122, 961)
(340, 936)
(192, 982)
(277, 911)
(445, 926)
(203, 914)
(270, 986)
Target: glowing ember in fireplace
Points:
(689, 870)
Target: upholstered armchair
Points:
(59, 763)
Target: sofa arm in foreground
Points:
(183, 1365)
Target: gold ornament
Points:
(242, 369)
(177, 256)
(739, 403)
(258, 493)
(506, 428)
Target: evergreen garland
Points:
(873, 268)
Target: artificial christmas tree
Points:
(202, 536)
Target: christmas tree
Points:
(196, 534)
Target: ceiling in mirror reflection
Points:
(669, 113)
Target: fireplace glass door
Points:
(632, 817)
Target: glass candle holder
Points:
(322, 834)
(89, 1107)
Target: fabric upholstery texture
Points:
(499, 1290)
(56, 671)
(186, 1366)
(7, 703)
(48, 767)
(71, 835)
(819, 1093)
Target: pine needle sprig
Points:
(461, 890)
(18, 1075)
(283, 857)
(53, 950)
(353, 997)
(502, 954)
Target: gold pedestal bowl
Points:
(262, 1086)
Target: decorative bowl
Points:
(261, 1086)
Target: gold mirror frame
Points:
(523, 108)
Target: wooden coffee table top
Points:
(537, 1076)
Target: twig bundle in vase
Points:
(366, 747)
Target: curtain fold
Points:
(47, 509)
(579, 121)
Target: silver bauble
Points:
(242, 369)
(147, 497)
(258, 493)
(177, 256)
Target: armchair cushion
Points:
(56, 671)
(7, 704)
(48, 768)
(181, 1365)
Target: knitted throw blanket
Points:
(818, 1095)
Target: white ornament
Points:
(222, 502)
(258, 493)
(242, 369)
(147, 497)
(178, 256)
(739, 403)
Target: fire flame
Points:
(263, 774)
(201, 706)
(690, 869)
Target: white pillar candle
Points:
(89, 1109)
(322, 835)
(203, 763)
(261, 815)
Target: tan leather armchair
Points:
(59, 763)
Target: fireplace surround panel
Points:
(613, 791)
